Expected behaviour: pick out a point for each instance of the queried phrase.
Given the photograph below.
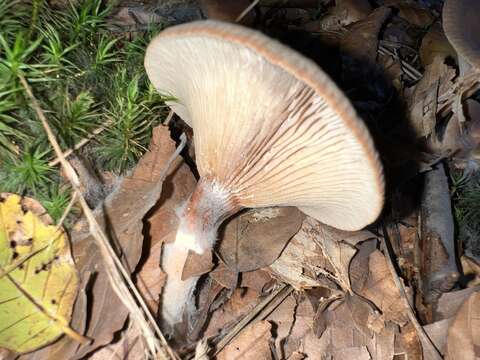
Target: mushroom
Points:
(461, 25)
(270, 129)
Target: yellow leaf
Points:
(38, 279)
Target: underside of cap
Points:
(461, 22)
(269, 126)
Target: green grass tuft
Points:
(83, 77)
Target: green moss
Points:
(83, 77)
(466, 202)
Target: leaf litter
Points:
(281, 285)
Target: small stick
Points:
(116, 272)
(80, 144)
(427, 345)
(408, 69)
(247, 10)
(169, 117)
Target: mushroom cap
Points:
(461, 22)
(270, 127)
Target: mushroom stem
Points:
(208, 206)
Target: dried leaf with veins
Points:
(255, 239)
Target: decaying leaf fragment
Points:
(318, 255)
(38, 279)
(302, 261)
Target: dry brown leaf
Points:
(449, 303)
(297, 356)
(345, 12)
(437, 333)
(302, 261)
(318, 255)
(238, 305)
(151, 278)
(447, 307)
(361, 42)
(122, 217)
(407, 343)
(292, 321)
(210, 295)
(255, 239)
(338, 247)
(347, 335)
(345, 339)
(393, 70)
(424, 99)
(381, 290)
(251, 344)
(130, 346)
(353, 353)
(435, 44)
(471, 269)
(256, 280)
(142, 14)
(343, 333)
(197, 265)
(224, 276)
(463, 341)
(412, 12)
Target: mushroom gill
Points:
(270, 129)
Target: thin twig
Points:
(80, 144)
(169, 117)
(117, 274)
(247, 10)
(407, 68)
(427, 344)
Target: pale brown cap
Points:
(461, 22)
(270, 127)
